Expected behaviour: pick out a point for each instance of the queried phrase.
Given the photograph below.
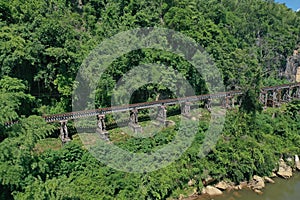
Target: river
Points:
(281, 190)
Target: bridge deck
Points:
(145, 105)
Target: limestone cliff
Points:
(292, 71)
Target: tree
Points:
(14, 101)
(17, 151)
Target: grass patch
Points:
(48, 143)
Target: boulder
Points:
(244, 184)
(273, 175)
(284, 170)
(203, 191)
(268, 180)
(258, 183)
(258, 191)
(181, 197)
(189, 194)
(208, 180)
(195, 192)
(297, 162)
(237, 187)
(211, 191)
(222, 185)
(191, 182)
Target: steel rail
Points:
(145, 105)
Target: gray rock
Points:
(268, 180)
(222, 185)
(284, 170)
(211, 191)
(297, 162)
(292, 69)
(257, 183)
(244, 184)
(191, 182)
(208, 180)
(273, 175)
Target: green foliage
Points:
(293, 108)
(248, 146)
(250, 102)
(43, 43)
(14, 102)
(13, 98)
(253, 145)
(17, 156)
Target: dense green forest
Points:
(43, 44)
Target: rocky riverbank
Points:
(285, 170)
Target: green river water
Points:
(281, 190)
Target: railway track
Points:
(145, 105)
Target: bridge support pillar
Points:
(263, 98)
(275, 99)
(207, 104)
(286, 97)
(297, 92)
(228, 102)
(232, 102)
(133, 121)
(64, 135)
(186, 109)
(162, 115)
(266, 100)
(279, 97)
(101, 127)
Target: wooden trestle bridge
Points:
(269, 96)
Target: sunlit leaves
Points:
(12, 95)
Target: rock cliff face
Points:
(298, 75)
(292, 70)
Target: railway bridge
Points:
(269, 96)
